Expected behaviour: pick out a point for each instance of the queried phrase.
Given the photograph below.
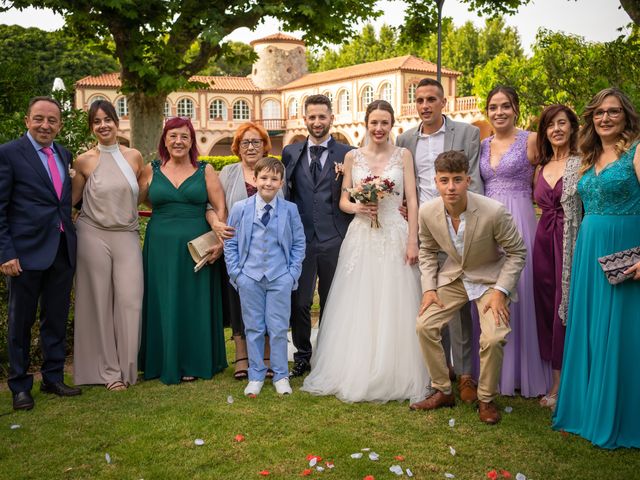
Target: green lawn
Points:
(149, 433)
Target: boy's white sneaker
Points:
(283, 387)
(253, 387)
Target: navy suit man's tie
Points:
(315, 166)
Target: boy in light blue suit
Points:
(264, 260)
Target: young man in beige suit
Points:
(485, 255)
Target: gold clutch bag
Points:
(198, 248)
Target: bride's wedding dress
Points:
(367, 346)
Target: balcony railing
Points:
(272, 123)
(459, 105)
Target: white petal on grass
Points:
(107, 457)
(230, 399)
(374, 456)
(508, 409)
(199, 442)
(15, 426)
(452, 422)
(356, 455)
(452, 450)
(319, 468)
(409, 473)
(366, 449)
(397, 469)
(449, 475)
(520, 476)
(313, 461)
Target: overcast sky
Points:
(596, 20)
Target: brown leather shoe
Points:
(436, 400)
(488, 413)
(468, 389)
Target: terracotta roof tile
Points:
(277, 37)
(219, 84)
(405, 63)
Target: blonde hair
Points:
(590, 144)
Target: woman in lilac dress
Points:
(557, 153)
(507, 164)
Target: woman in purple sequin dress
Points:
(506, 166)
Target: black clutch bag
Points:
(613, 265)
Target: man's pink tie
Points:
(55, 174)
(53, 168)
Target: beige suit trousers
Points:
(492, 340)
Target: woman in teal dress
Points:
(182, 334)
(599, 396)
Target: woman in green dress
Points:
(182, 333)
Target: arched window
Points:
(271, 110)
(344, 102)
(329, 95)
(367, 96)
(385, 92)
(167, 109)
(411, 93)
(96, 98)
(293, 108)
(217, 110)
(122, 107)
(241, 110)
(186, 108)
(302, 106)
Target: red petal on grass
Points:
(399, 458)
(492, 475)
(264, 473)
(505, 474)
(306, 472)
(311, 457)
(563, 433)
(239, 438)
(252, 395)
(369, 477)
(329, 464)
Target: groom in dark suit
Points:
(314, 186)
(37, 248)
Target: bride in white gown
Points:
(367, 346)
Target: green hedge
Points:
(219, 161)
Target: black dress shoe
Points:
(23, 401)
(300, 368)
(60, 389)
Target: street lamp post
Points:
(439, 3)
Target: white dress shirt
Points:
(260, 204)
(427, 149)
(325, 154)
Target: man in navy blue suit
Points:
(37, 248)
(312, 184)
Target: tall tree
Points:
(152, 39)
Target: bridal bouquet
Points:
(372, 189)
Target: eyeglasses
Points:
(255, 143)
(612, 112)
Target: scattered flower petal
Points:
(329, 464)
(366, 449)
(230, 399)
(492, 474)
(520, 476)
(409, 473)
(319, 468)
(264, 473)
(452, 422)
(15, 426)
(505, 474)
(306, 472)
(449, 475)
(397, 469)
(107, 457)
(356, 455)
(313, 461)
(239, 438)
(369, 477)
(399, 458)
(508, 409)
(564, 433)
(374, 456)
(452, 450)
(199, 442)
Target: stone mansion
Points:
(273, 95)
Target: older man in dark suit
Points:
(37, 248)
(312, 184)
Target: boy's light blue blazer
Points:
(290, 237)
